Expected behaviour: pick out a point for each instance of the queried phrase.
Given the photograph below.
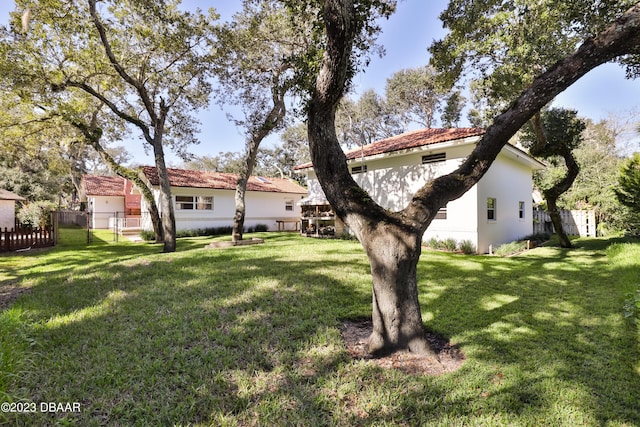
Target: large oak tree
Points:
(147, 61)
(392, 240)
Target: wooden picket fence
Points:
(23, 237)
(575, 222)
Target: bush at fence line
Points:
(147, 235)
(36, 214)
(467, 247)
(433, 243)
(451, 245)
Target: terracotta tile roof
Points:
(404, 141)
(8, 195)
(222, 181)
(103, 185)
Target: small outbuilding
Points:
(8, 208)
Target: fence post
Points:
(115, 227)
(55, 221)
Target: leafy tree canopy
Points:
(562, 131)
(367, 119)
(504, 45)
(628, 190)
(307, 64)
(414, 93)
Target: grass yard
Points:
(250, 336)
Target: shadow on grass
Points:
(250, 335)
(186, 337)
(553, 321)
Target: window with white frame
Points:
(491, 209)
(521, 214)
(194, 203)
(442, 213)
(288, 205)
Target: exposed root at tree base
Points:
(355, 333)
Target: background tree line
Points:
(68, 101)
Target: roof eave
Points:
(423, 148)
(404, 152)
(524, 157)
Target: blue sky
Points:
(406, 36)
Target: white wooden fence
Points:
(575, 223)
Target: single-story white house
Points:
(201, 200)
(105, 198)
(8, 208)
(498, 209)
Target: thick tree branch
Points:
(330, 164)
(620, 38)
(142, 91)
(271, 121)
(92, 134)
(112, 106)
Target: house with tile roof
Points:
(498, 209)
(201, 200)
(110, 198)
(207, 199)
(8, 209)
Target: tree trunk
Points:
(241, 188)
(397, 318)
(553, 194)
(272, 120)
(392, 239)
(238, 217)
(166, 200)
(556, 219)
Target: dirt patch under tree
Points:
(355, 333)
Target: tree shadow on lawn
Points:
(246, 336)
(550, 327)
(192, 342)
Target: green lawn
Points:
(249, 336)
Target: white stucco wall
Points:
(261, 208)
(509, 182)
(104, 207)
(461, 223)
(7, 214)
(392, 181)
